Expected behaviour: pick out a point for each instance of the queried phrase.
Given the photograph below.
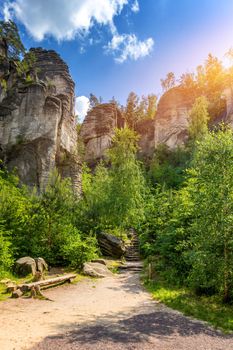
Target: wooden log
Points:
(49, 282)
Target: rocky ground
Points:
(110, 313)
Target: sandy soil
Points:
(111, 313)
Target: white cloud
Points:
(128, 46)
(135, 6)
(82, 105)
(62, 19)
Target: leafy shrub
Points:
(6, 258)
(77, 249)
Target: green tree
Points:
(152, 106)
(199, 116)
(167, 167)
(169, 82)
(12, 45)
(94, 101)
(114, 193)
(211, 189)
(15, 206)
(127, 182)
(132, 110)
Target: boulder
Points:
(95, 269)
(41, 265)
(25, 266)
(111, 245)
(17, 293)
(100, 261)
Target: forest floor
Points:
(110, 313)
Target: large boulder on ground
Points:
(94, 269)
(41, 265)
(100, 261)
(24, 266)
(17, 293)
(111, 245)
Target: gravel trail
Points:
(108, 314)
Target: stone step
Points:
(132, 255)
(136, 254)
(131, 265)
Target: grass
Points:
(206, 308)
(3, 294)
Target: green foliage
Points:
(127, 182)
(94, 101)
(209, 309)
(139, 109)
(114, 193)
(209, 80)
(52, 219)
(167, 166)
(13, 52)
(6, 256)
(14, 211)
(78, 249)
(9, 36)
(188, 231)
(199, 117)
(211, 189)
(41, 225)
(169, 82)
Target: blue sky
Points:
(116, 46)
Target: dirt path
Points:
(112, 313)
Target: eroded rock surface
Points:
(95, 269)
(111, 245)
(171, 122)
(146, 131)
(37, 123)
(25, 266)
(98, 129)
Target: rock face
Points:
(98, 129)
(95, 269)
(37, 123)
(171, 122)
(146, 131)
(111, 245)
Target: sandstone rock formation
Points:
(171, 122)
(98, 129)
(146, 131)
(111, 245)
(37, 123)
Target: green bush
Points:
(77, 249)
(6, 257)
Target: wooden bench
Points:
(46, 283)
